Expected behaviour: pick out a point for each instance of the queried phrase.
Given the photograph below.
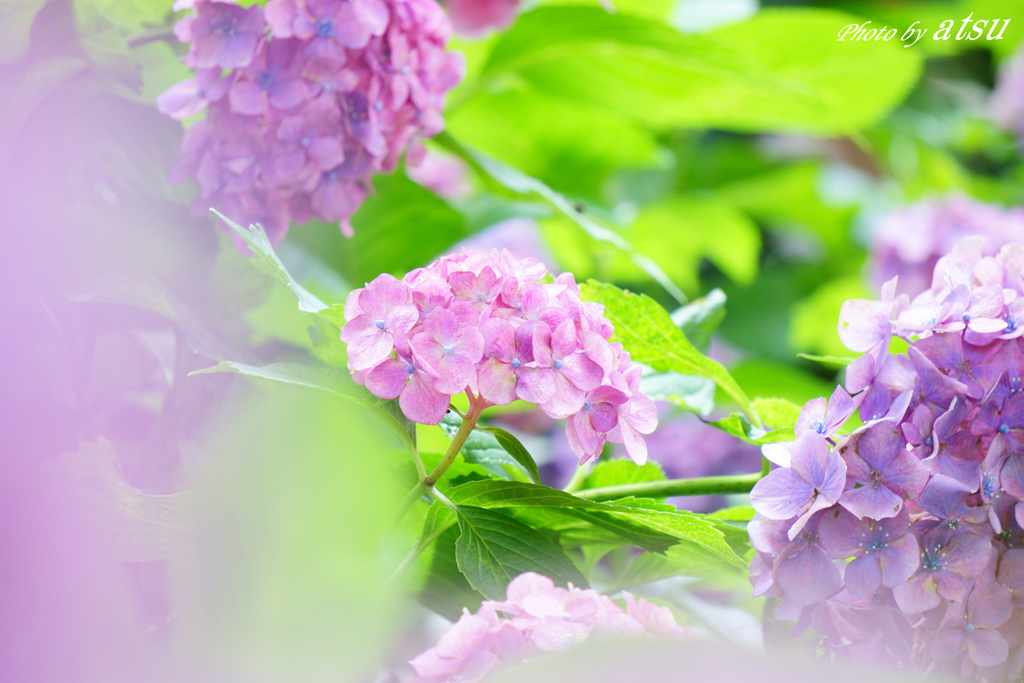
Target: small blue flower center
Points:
(1004, 429)
(932, 562)
(379, 324)
(447, 350)
(266, 78)
(929, 441)
(967, 317)
(820, 428)
(968, 628)
(515, 363)
(877, 543)
(410, 368)
(558, 365)
(378, 105)
(587, 406)
(1011, 324)
(324, 28)
(304, 142)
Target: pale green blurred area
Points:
(279, 578)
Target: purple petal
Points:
(581, 371)
(566, 400)
(781, 495)
(808, 575)
(367, 345)
(899, 560)
(246, 97)
(536, 385)
(919, 594)
(987, 647)
(875, 502)
(288, 93)
(388, 379)
(863, 576)
(498, 337)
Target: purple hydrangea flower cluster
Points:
(1007, 101)
(539, 618)
(908, 242)
(304, 100)
(486, 324)
(901, 541)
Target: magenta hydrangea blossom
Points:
(488, 326)
(912, 555)
(477, 18)
(537, 617)
(305, 100)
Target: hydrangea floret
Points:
(537, 617)
(899, 541)
(304, 101)
(489, 326)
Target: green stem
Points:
(702, 486)
(578, 477)
(460, 437)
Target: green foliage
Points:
(646, 330)
(491, 446)
(744, 77)
(621, 471)
(777, 412)
(494, 548)
(686, 391)
(815, 319)
(739, 426)
(700, 318)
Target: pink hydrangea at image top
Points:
(908, 242)
(536, 617)
(900, 541)
(485, 324)
(304, 101)
(477, 18)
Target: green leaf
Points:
(742, 513)
(777, 412)
(334, 314)
(831, 361)
(522, 184)
(266, 260)
(700, 318)
(739, 426)
(332, 380)
(679, 233)
(437, 582)
(480, 447)
(516, 449)
(749, 76)
(621, 471)
(815, 319)
(646, 330)
(686, 391)
(494, 548)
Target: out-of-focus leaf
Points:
(129, 15)
(327, 379)
(747, 76)
(440, 586)
(777, 412)
(620, 471)
(743, 513)
(700, 318)
(767, 378)
(494, 548)
(570, 147)
(686, 391)
(267, 261)
(816, 318)
(139, 527)
(646, 330)
(400, 226)
(522, 184)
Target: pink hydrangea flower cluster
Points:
(477, 18)
(903, 541)
(487, 325)
(908, 242)
(304, 100)
(536, 617)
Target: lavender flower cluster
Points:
(901, 541)
(486, 325)
(908, 242)
(540, 618)
(304, 100)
